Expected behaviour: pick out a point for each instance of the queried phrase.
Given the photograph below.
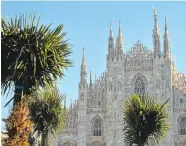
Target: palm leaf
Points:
(145, 120)
(33, 54)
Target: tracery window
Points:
(97, 128)
(183, 126)
(110, 86)
(139, 86)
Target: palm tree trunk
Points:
(44, 139)
(19, 89)
(17, 97)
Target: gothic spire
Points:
(120, 38)
(166, 41)
(155, 19)
(83, 58)
(83, 67)
(120, 34)
(156, 36)
(166, 29)
(111, 33)
(110, 42)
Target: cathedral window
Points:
(139, 86)
(110, 86)
(97, 128)
(183, 126)
(181, 100)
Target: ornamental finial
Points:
(155, 11)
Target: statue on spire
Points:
(120, 34)
(111, 34)
(83, 59)
(155, 11)
(166, 29)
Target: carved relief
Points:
(138, 58)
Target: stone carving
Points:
(138, 58)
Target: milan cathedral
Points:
(95, 119)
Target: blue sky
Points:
(87, 25)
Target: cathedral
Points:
(95, 118)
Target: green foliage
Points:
(47, 112)
(144, 119)
(18, 126)
(32, 55)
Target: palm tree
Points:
(47, 112)
(144, 120)
(32, 55)
(18, 125)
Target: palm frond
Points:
(32, 55)
(144, 120)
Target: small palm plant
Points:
(47, 112)
(144, 120)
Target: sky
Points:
(87, 25)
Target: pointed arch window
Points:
(139, 86)
(97, 128)
(183, 126)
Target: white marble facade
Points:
(95, 119)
